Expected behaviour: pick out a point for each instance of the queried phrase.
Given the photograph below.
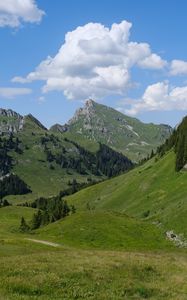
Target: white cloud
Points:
(94, 61)
(158, 97)
(152, 62)
(9, 92)
(178, 67)
(14, 12)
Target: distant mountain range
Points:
(98, 124)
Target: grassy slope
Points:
(86, 143)
(103, 230)
(12, 242)
(34, 271)
(33, 168)
(88, 230)
(154, 186)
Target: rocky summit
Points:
(10, 121)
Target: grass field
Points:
(74, 274)
(102, 256)
(107, 231)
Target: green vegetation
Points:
(8, 143)
(54, 160)
(177, 141)
(103, 275)
(155, 186)
(106, 241)
(102, 230)
(13, 185)
(125, 134)
(49, 211)
(34, 271)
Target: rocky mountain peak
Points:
(90, 103)
(86, 111)
(12, 122)
(9, 113)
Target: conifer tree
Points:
(24, 227)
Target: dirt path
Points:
(43, 242)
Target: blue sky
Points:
(110, 63)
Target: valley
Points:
(93, 150)
(111, 243)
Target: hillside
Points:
(105, 230)
(48, 162)
(154, 192)
(114, 245)
(125, 134)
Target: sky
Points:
(127, 54)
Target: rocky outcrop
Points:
(177, 239)
(59, 128)
(87, 112)
(10, 121)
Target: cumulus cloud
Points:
(178, 67)
(153, 61)
(14, 12)
(9, 92)
(94, 61)
(158, 97)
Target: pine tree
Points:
(36, 220)
(73, 209)
(180, 153)
(24, 227)
(6, 203)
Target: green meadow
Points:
(100, 255)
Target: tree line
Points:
(105, 161)
(13, 185)
(8, 143)
(49, 210)
(177, 141)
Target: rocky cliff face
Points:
(10, 121)
(59, 128)
(86, 112)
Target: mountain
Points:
(46, 162)
(155, 192)
(12, 122)
(103, 124)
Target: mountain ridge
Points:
(100, 124)
(13, 122)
